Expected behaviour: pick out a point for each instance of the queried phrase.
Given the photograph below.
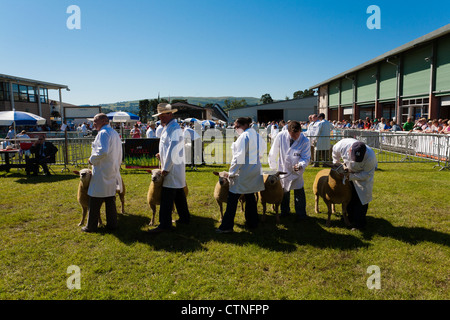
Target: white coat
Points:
(245, 169)
(106, 158)
(312, 132)
(324, 132)
(283, 157)
(171, 152)
(362, 172)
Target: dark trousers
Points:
(356, 211)
(299, 203)
(251, 211)
(34, 163)
(169, 196)
(95, 205)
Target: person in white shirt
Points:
(11, 133)
(312, 133)
(173, 167)
(159, 130)
(106, 159)
(291, 153)
(361, 162)
(245, 176)
(323, 142)
(151, 131)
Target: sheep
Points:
(83, 197)
(221, 191)
(154, 192)
(330, 185)
(273, 193)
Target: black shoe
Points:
(159, 230)
(218, 230)
(86, 229)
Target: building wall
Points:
(424, 80)
(298, 109)
(27, 107)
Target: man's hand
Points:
(158, 156)
(164, 173)
(297, 167)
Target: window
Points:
(23, 93)
(16, 92)
(2, 94)
(31, 94)
(44, 95)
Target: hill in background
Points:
(133, 106)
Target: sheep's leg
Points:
(152, 220)
(276, 213)
(333, 208)
(329, 215)
(122, 199)
(83, 216)
(100, 223)
(344, 213)
(263, 218)
(221, 210)
(316, 207)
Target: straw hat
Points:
(164, 108)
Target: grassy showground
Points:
(407, 237)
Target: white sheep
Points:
(154, 192)
(221, 191)
(273, 193)
(83, 197)
(330, 185)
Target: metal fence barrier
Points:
(74, 149)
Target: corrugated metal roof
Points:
(410, 45)
(32, 82)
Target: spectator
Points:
(135, 132)
(151, 131)
(409, 124)
(11, 133)
(44, 152)
(395, 127)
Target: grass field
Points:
(407, 237)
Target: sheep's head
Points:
(223, 177)
(273, 179)
(157, 177)
(85, 176)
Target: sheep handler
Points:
(361, 162)
(291, 153)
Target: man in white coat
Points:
(361, 163)
(106, 158)
(291, 153)
(245, 176)
(312, 133)
(323, 142)
(173, 166)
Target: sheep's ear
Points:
(76, 172)
(215, 173)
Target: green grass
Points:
(407, 237)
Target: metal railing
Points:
(391, 147)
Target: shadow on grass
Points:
(200, 231)
(24, 179)
(411, 235)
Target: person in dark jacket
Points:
(44, 152)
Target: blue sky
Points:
(135, 49)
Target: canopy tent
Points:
(122, 116)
